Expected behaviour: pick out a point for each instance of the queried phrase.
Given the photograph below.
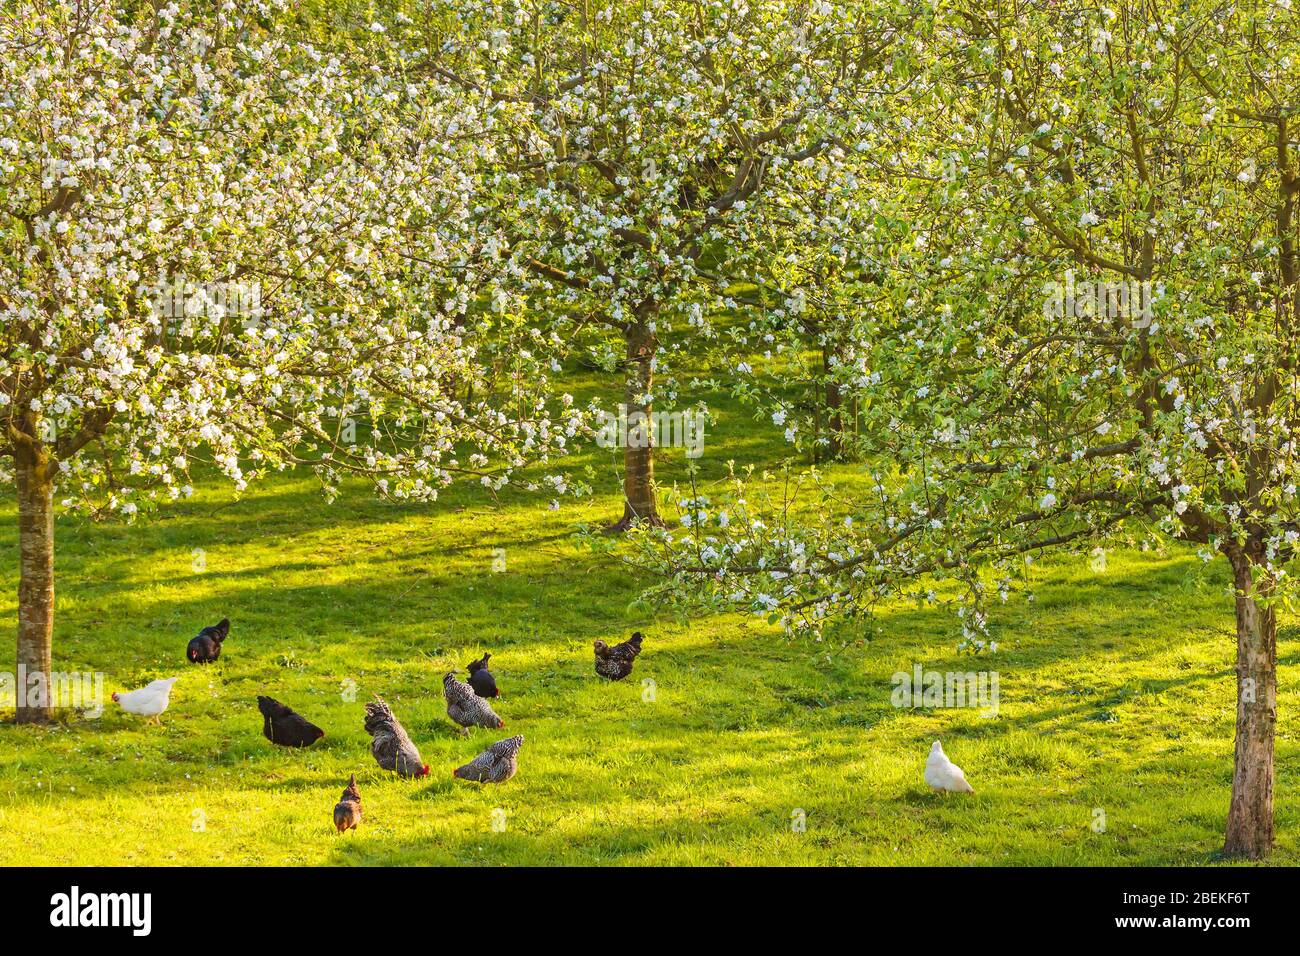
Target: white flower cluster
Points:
(144, 148)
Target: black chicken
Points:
(481, 679)
(347, 812)
(281, 725)
(206, 646)
(616, 662)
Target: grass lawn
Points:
(1115, 693)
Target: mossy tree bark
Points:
(36, 583)
(639, 505)
(1250, 815)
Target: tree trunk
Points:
(639, 506)
(1250, 817)
(835, 424)
(35, 585)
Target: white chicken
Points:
(149, 701)
(944, 775)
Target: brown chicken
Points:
(347, 812)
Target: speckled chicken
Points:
(389, 743)
(481, 679)
(616, 662)
(283, 725)
(467, 708)
(347, 812)
(497, 764)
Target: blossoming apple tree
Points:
(1092, 334)
(800, 352)
(221, 245)
(640, 146)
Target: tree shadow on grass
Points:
(615, 841)
(290, 641)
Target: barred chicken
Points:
(467, 708)
(282, 725)
(497, 764)
(205, 647)
(347, 812)
(481, 679)
(389, 743)
(616, 662)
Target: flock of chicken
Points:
(467, 706)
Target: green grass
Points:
(1116, 693)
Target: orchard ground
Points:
(1116, 698)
